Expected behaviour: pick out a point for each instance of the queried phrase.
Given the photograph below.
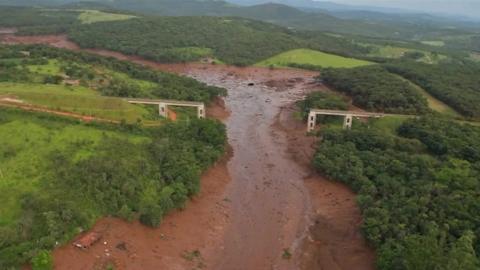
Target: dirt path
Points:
(272, 206)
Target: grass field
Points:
(93, 16)
(388, 124)
(52, 68)
(76, 99)
(27, 143)
(398, 52)
(311, 57)
(436, 43)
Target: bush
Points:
(42, 261)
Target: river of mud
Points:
(261, 208)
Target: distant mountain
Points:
(342, 20)
(308, 5)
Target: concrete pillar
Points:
(163, 110)
(347, 122)
(201, 112)
(312, 120)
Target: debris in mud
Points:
(251, 84)
(122, 246)
(287, 255)
(87, 240)
(191, 256)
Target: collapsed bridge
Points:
(348, 117)
(164, 103)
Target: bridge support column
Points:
(312, 120)
(347, 122)
(163, 109)
(201, 112)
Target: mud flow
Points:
(261, 208)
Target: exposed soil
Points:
(273, 206)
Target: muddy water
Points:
(269, 203)
(272, 206)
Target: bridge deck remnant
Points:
(164, 103)
(347, 122)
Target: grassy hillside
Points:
(311, 57)
(76, 99)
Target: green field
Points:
(85, 99)
(436, 43)
(398, 52)
(311, 57)
(27, 143)
(93, 16)
(76, 99)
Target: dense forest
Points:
(375, 89)
(37, 21)
(232, 40)
(454, 82)
(418, 190)
(83, 179)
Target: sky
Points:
(470, 8)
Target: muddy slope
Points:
(272, 206)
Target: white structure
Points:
(164, 103)
(348, 117)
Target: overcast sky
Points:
(462, 7)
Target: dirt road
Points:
(263, 209)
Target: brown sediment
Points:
(274, 204)
(334, 240)
(172, 115)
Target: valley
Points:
(245, 231)
(98, 173)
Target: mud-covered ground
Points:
(261, 208)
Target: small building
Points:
(87, 240)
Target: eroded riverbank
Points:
(254, 209)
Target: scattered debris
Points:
(87, 240)
(122, 246)
(286, 254)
